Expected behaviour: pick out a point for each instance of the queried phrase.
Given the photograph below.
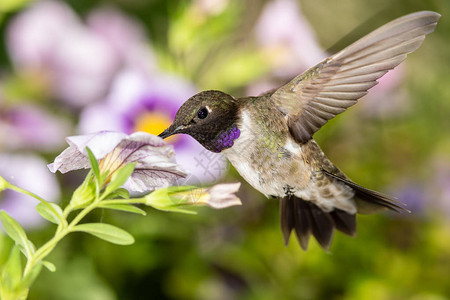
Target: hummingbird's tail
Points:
(306, 218)
(369, 201)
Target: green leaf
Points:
(119, 193)
(94, 165)
(119, 178)
(16, 232)
(123, 207)
(12, 272)
(50, 266)
(53, 215)
(106, 232)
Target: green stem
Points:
(61, 232)
(67, 211)
(43, 201)
(43, 251)
(82, 214)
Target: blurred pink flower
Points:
(82, 66)
(79, 61)
(288, 42)
(29, 172)
(125, 36)
(139, 102)
(285, 33)
(30, 127)
(34, 33)
(291, 46)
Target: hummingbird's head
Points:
(210, 117)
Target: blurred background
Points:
(78, 66)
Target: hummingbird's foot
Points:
(288, 190)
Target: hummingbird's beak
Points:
(166, 133)
(171, 131)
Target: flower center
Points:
(154, 123)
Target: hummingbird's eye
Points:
(202, 113)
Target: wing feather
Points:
(330, 87)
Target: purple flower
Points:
(155, 163)
(36, 30)
(288, 42)
(291, 47)
(286, 36)
(125, 36)
(78, 61)
(140, 102)
(81, 66)
(49, 38)
(29, 172)
(30, 127)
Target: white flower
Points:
(171, 199)
(155, 163)
(222, 195)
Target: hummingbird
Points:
(269, 138)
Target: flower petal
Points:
(223, 195)
(149, 179)
(155, 163)
(75, 157)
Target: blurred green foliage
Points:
(238, 253)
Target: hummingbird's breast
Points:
(265, 155)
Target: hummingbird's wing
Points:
(329, 88)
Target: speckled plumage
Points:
(273, 163)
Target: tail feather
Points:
(370, 196)
(287, 218)
(306, 218)
(302, 221)
(322, 226)
(344, 222)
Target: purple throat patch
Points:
(226, 139)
